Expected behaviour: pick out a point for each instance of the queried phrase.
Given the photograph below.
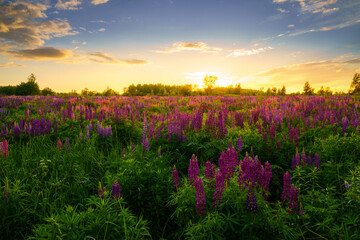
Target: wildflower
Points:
(345, 124)
(209, 170)
(239, 144)
(123, 153)
(287, 186)
(219, 188)
(251, 204)
(227, 163)
(193, 169)
(200, 197)
(317, 160)
(4, 148)
(116, 193)
(59, 144)
(81, 136)
(278, 144)
(175, 177)
(347, 185)
(101, 191)
(310, 161)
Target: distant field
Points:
(279, 167)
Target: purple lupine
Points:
(132, 147)
(278, 144)
(193, 170)
(123, 153)
(175, 177)
(200, 197)
(347, 185)
(345, 123)
(239, 144)
(209, 173)
(287, 186)
(144, 141)
(87, 134)
(317, 160)
(303, 158)
(116, 192)
(59, 144)
(266, 178)
(219, 188)
(251, 203)
(293, 200)
(67, 144)
(227, 163)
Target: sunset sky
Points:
(71, 45)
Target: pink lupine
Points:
(175, 177)
(200, 197)
(193, 170)
(59, 144)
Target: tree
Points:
(283, 91)
(47, 92)
(28, 88)
(308, 90)
(321, 91)
(355, 84)
(209, 82)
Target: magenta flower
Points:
(200, 197)
(116, 192)
(239, 144)
(193, 170)
(251, 203)
(4, 148)
(287, 186)
(59, 144)
(209, 170)
(219, 188)
(293, 201)
(227, 163)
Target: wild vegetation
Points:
(196, 167)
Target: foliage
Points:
(355, 84)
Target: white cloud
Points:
(101, 57)
(97, 2)
(102, 30)
(291, 25)
(185, 46)
(247, 52)
(68, 4)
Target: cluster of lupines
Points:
(345, 123)
(193, 170)
(290, 194)
(4, 148)
(59, 144)
(104, 131)
(228, 162)
(239, 144)
(251, 203)
(200, 196)
(253, 175)
(116, 192)
(219, 179)
(175, 177)
(300, 161)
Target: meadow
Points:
(245, 167)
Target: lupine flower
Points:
(209, 170)
(251, 203)
(239, 144)
(67, 144)
(88, 135)
(200, 197)
(347, 185)
(193, 169)
(101, 191)
(175, 177)
(266, 177)
(81, 136)
(116, 192)
(4, 148)
(278, 144)
(227, 163)
(59, 144)
(293, 201)
(123, 153)
(287, 186)
(310, 161)
(219, 188)
(303, 158)
(132, 147)
(6, 190)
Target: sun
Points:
(224, 79)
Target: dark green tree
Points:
(355, 84)
(28, 88)
(308, 90)
(47, 92)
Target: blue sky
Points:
(98, 43)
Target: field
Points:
(180, 167)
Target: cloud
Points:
(333, 73)
(97, 2)
(41, 53)
(185, 46)
(291, 25)
(68, 4)
(23, 24)
(10, 64)
(248, 52)
(313, 6)
(102, 30)
(101, 57)
(282, 10)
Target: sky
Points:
(95, 44)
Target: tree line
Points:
(31, 87)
